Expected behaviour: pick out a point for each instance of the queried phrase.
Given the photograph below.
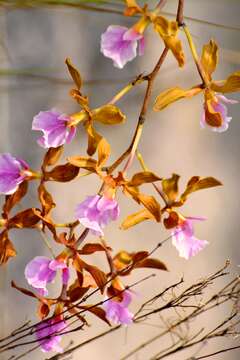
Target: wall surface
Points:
(172, 141)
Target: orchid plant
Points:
(57, 314)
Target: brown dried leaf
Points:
(169, 96)
(108, 115)
(89, 281)
(122, 260)
(209, 57)
(7, 249)
(98, 275)
(24, 291)
(231, 84)
(80, 278)
(170, 187)
(83, 162)
(93, 138)
(75, 311)
(63, 173)
(104, 151)
(52, 156)
(143, 177)
(24, 219)
(97, 311)
(136, 260)
(45, 199)
(78, 263)
(149, 202)
(196, 183)
(75, 74)
(151, 263)
(91, 248)
(48, 222)
(136, 218)
(139, 256)
(168, 31)
(76, 292)
(12, 200)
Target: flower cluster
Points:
(215, 112)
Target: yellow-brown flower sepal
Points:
(168, 31)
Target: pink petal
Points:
(127, 298)
(93, 225)
(226, 100)
(71, 134)
(47, 120)
(57, 137)
(11, 173)
(141, 46)
(184, 240)
(56, 265)
(115, 47)
(196, 218)
(131, 35)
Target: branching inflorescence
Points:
(67, 313)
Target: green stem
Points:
(195, 56)
(126, 89)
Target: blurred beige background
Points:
(172, 141)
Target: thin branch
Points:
(217, 352)
(180, 12)
(136, 137)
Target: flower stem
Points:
(109, 257)
(156, 186)
(141, 161)
(67, 225)
(195, 55)
(33, 175)
(138, 132)
(180, 13)
(139, 79)
(82, 237)
(141, 120)
(137, 138)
